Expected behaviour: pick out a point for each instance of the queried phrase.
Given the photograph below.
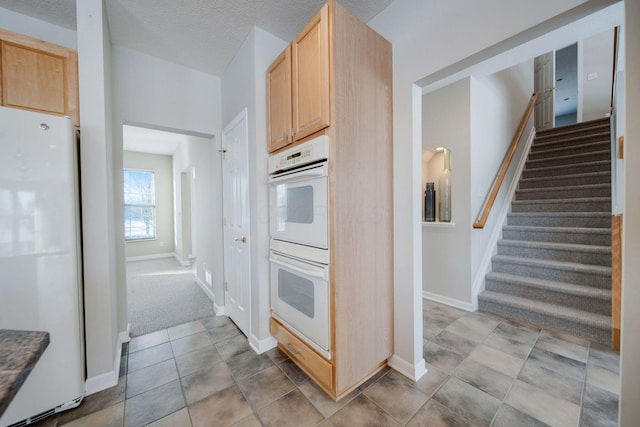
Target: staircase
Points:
(553, 264)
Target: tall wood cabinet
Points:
(39, 76)
(342, 87)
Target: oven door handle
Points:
(315, 172)
(308, 272)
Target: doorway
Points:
(165, 284)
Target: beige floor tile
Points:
(562, 347)
(151, 377)
(148, 340)
(432, 380)
(204, 383)
(149, 356)
(177, 419)
(191, 343)
(250, 421)
(199, 360)
(291, 410)
(225, 408)
(497, 360)
(484, 378)
(112, 416)
(468, 401)
(265, 387)
(186, 329)
(542, 406)
(153, 405)
(321, 401)
(361, 411)
(434, 414)
(397, 396)
(603, 379)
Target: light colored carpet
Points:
(161, 293)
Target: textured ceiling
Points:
(199, 34)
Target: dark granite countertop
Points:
(19, 352)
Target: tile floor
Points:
(483, 371)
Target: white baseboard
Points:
(409, 370)
(148, 257)
(207, 290)
(260, 346)
(108, 379)
(181, 262)
(218, 309)
(450, 301)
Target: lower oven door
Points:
(300, 299)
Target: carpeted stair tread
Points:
(588, 126)
(576, 230)
(580, 204)
(552, 150)
(569, 159)
(552, 286)
(558, 246)
(562, 170)
(560, 219)
(603, 177)
(565, 191)
(552, 310)
(558, 141)
(598, 270)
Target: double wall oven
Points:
(299, 246)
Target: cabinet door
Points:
(310, 52)
(38, 76)
(279, 96)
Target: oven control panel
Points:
(307, 152)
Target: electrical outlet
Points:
(592, 76)
(162, 244)
(207, 277)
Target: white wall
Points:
(630, 368)
(32, 27)
(244, 85)
(428, 37)
(103, 316)
(596, 55)
(161, 166)
(157, 94)
(201, 154)
(446, 250)
(498, 102)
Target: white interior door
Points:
(237, 258)
(544, 72)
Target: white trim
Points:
(181, 262)
(492, 247)
(108, 379)
(438, 224)
(260, 346)
(450, 301)
(219, 309)
(409, 370)
(207, 290)
(147, 257)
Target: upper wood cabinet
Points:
(38, 76)
(298, 85)
(279, 95)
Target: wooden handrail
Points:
(506, 162)
(615, 66)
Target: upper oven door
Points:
(299, 207)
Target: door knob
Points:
(241, 239)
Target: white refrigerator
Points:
(40, 257)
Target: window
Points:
(139, 205)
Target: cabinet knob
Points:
(241, 239)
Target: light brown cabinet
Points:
(298, 85)
(357, 118)
(38, 76)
